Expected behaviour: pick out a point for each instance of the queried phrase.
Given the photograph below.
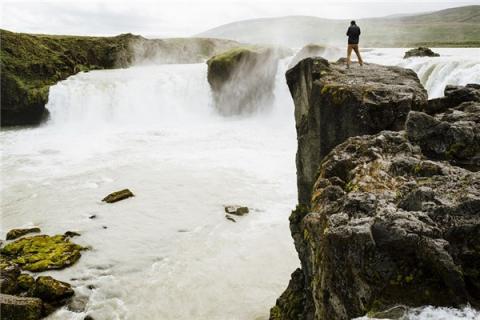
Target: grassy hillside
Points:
(30, 64)
(451, 27)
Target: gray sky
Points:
(184, 18)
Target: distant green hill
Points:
(455, 27)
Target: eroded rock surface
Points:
(17, 233)
(333, 103)
(393, 217)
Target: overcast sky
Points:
(185, 18)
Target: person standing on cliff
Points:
(353, 34)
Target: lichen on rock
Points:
(42, 252)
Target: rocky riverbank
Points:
(32, 63)
(24, 297)
(385, 217)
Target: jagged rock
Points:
(453, 135)
(118, 195)
(380, 232)
(230, 218)
(291, 304)
(236, 210)
(42, 252)
(51, 290)
(18, 308)
(333, 103)
(242, 79)
(420, 52)
(315, 50)
(454, 95)
(17, 233)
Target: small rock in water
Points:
(118, 195)
(93, 216)
(71, 234)
(17, 233)
(230, 218)
(236, 210)
(104, 227)
(52, 290)
(88, 318)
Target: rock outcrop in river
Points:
(387, 221)
(32, 63)
(242, 79)
(333, 103)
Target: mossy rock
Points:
(17, 233)
(17, 308)
(42, 252)
(51, 290)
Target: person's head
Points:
(352, 23)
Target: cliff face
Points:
(333, 103)
(393, 217)
(242, 79)
(30, 64)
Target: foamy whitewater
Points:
(169, 252)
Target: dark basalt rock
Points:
(392, 218)
(333, 103)
(454, 95)
(51, 290)
(242, 79)
(379, 233)
(118, 195)
(453, 135)
(17, 233)
(420, 52)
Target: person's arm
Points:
(359, 32)
(348, 32)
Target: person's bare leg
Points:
(349, 55)
(357, 52)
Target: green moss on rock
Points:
(39, 253)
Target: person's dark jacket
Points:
(353, 34)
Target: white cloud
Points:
(183, 18)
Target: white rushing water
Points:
(169, 252)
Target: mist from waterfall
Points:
(169, 253)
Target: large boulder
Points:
(42, 252)
(420, 52)
(242, 79)
(333, 103)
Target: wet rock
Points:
(18, 308)
(236, 210)
(420, 52)
(397, 312)
(88, 318)
(118, 195)
(9, 273)
(17, 233)
(453, 135)
(454, 96)
(242, 79)
(26, 283)
(42, 252)
(71, 234)
(93, 216)
(333, 103)
(51, 290)
(230, 218)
